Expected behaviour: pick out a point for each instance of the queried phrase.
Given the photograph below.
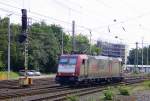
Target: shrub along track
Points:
(44, 91)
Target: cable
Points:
(9, 5)
(35, 13)
(93, 29)
(131, 19)
(66, 6)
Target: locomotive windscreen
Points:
(67, 64)
(63, 61)
(66, 60)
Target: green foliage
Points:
(132, 56)
(149, 85)
(72, 98)
(108, 94)
(3, 42)
(148, 74)
(146, 84)
(2, 65)
(12, 75)
(124, 90)
(44, 46)
(95, 50)
(82, 43)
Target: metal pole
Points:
(125, 59)
(26, 56)
(8, 46)
(135, 58)
(73, 36)
(62, 43)
(136, 54)
(27, 44)
(121, 48)
(142, 53)
(90, 41)
(147, 55)
(26, 47)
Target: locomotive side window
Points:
(83, 61)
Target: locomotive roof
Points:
(106, 58)
(81, 55)
(84, 56)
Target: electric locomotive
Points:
(82, 68)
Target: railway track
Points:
(54, 92)
(15, 83)
(84, 91)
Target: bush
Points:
(149, 85)
(108, 95)
(124, 91)
(72, 98)
(148, 74)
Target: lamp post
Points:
(8, 45)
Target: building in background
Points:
(112, 49)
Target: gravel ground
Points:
(91, 97)
(138, 96)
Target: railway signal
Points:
(25, 81)
(23, 35)
(22, 38)
(24, 19)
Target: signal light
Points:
(22, 37)
(24, 19)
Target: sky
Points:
(127, 19)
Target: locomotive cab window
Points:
(63, 61)
(72, 61)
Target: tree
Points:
(82, 43)
(1, 62)
(44, 49)
(132, 58)
(3, 41)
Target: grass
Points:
(4, 75)
(108, 94)
(72, 98)
(125, 90)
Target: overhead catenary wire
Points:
(66, 6)
(41, 15)
(80, 26)
(62, 20)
